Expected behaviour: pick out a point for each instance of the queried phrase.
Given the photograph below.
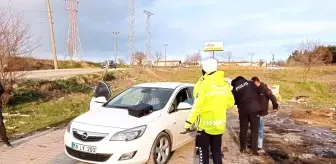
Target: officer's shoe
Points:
(243, 151)
(8, 145)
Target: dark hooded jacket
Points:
(266, 95)
(246, 95)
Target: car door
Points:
(179, 117)
(102, 93)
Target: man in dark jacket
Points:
(247, 100)
(3, 134)
(266, 95)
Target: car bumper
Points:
(110, 151)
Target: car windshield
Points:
(157, 97)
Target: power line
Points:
(52, 37)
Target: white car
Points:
(274, 67)
(107, 133)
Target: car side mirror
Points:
(184, 106)
(100, 99)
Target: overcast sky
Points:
(258, 26)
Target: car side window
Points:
(182, 96)
(191, 96)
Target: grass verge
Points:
(40, 104)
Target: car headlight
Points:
(69, 127)
(129, 134)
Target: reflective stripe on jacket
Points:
(213, 97)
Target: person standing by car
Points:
(3, 134)
(197, 138)
(247, 100)
(212, 100)
(266, 95)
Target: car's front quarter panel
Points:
(117, 148)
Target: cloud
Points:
(259, 26)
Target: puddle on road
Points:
(277, 155)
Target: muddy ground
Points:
(293, 140)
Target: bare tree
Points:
(157, 57)
(139, 58)
(195, 58)
(15, 42)
(121, 61)
(309, 53)
(261, 62)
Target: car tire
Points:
(161, 146)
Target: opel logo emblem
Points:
(85, 135)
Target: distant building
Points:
(242, 64)
(168, 63)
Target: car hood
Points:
(114, 117)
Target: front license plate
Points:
(84, 148)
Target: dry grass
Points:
(44, 64)
(323, 117)
(55, 103)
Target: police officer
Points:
(197, 140)
(3, 134)
(247, 99)
(212, 100)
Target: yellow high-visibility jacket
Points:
(196, 86)
(213, 98)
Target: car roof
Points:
(171, 85)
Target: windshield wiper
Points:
(122, 107)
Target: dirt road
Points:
(54, 74)
(47, 148)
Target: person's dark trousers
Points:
(244, 121)
(215, 144)
(3, 134)
(197, 141)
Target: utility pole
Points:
(200, 58)
(251, 54)
(115, 46)
(148, 36)
(229, 54)
(165, 54)
(272, 58)
(52, 37)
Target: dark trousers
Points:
(2, 129)
(244, 121)
(197, 140)
(215, 144)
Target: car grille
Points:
(88, 156)
(88, 136)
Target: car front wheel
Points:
(161, 149)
